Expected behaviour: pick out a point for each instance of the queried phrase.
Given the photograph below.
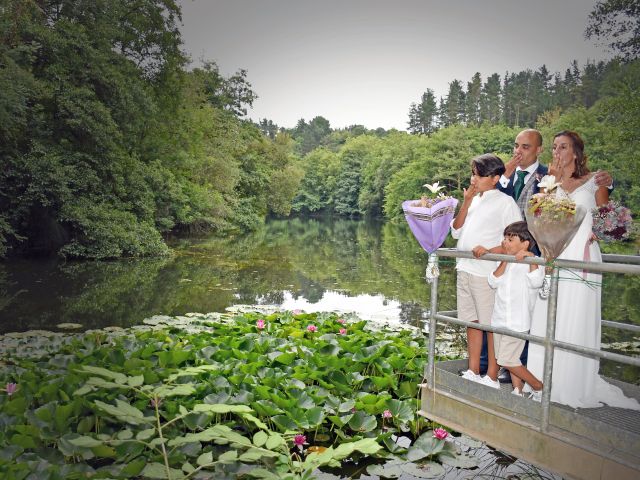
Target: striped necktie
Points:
(519, 185)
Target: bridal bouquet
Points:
(611, 222)
(552, 220)
(429, 219)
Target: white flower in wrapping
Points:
(549, 183)
(433, 188)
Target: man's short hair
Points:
(487, 165)
(520, 230)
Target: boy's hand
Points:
(523, 253)
(479, 251)
(469, 193)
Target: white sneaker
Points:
(516, 391)
(486, 380)
(535, 395)
(469, 375)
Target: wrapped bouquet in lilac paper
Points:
(429, 219)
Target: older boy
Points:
(483, 215)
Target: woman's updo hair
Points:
(578, 149)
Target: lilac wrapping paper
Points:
(430, 225)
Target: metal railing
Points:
(624, 264)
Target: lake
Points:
(372, 268)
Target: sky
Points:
(365, 61)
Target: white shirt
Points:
(516, 291)
(488, 214)
(504, 181)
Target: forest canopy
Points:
(109, 141)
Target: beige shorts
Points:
(508, 350)
(475, 298)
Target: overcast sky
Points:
(365, 61)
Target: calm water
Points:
(371, 268)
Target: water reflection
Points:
(370, 268)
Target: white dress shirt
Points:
(504, 181)
(516, 291)
(486, 219)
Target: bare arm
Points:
(500, 270)
(468, 194)
(602, 195)
(526, 253)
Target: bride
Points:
(575, 379)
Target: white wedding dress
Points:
(575, 380)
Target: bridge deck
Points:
(597, 443)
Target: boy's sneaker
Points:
(535, 395)
(469, 375)
(516, 391)
(486, 380)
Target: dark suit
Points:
(530, 188)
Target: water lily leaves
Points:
(424, 470)
(424, 446)
(284, 423)
(461, 460)
(401, 410)
(396, 468)
(361, 422)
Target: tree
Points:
(473, 100)
(423, 117)
(490, 100)
(617, 22)
(452, 112)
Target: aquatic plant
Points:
(211, 396)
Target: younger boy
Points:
(516, 287)
(484, 214)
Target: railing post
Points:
(549, 349)
(433, 259)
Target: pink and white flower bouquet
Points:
(612, 222)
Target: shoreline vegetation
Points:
(108, 151)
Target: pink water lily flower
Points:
(343, 331)
(300, 440)
(440, 433)
(296, 311)
(341, 320)
(312, 328)
(260, 324)
(387, 414)
(11, 388)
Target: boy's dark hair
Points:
(487, 165)
(520, 230)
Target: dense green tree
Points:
(490, 100)
(453, 108)
(473, 100)
(423, 117)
